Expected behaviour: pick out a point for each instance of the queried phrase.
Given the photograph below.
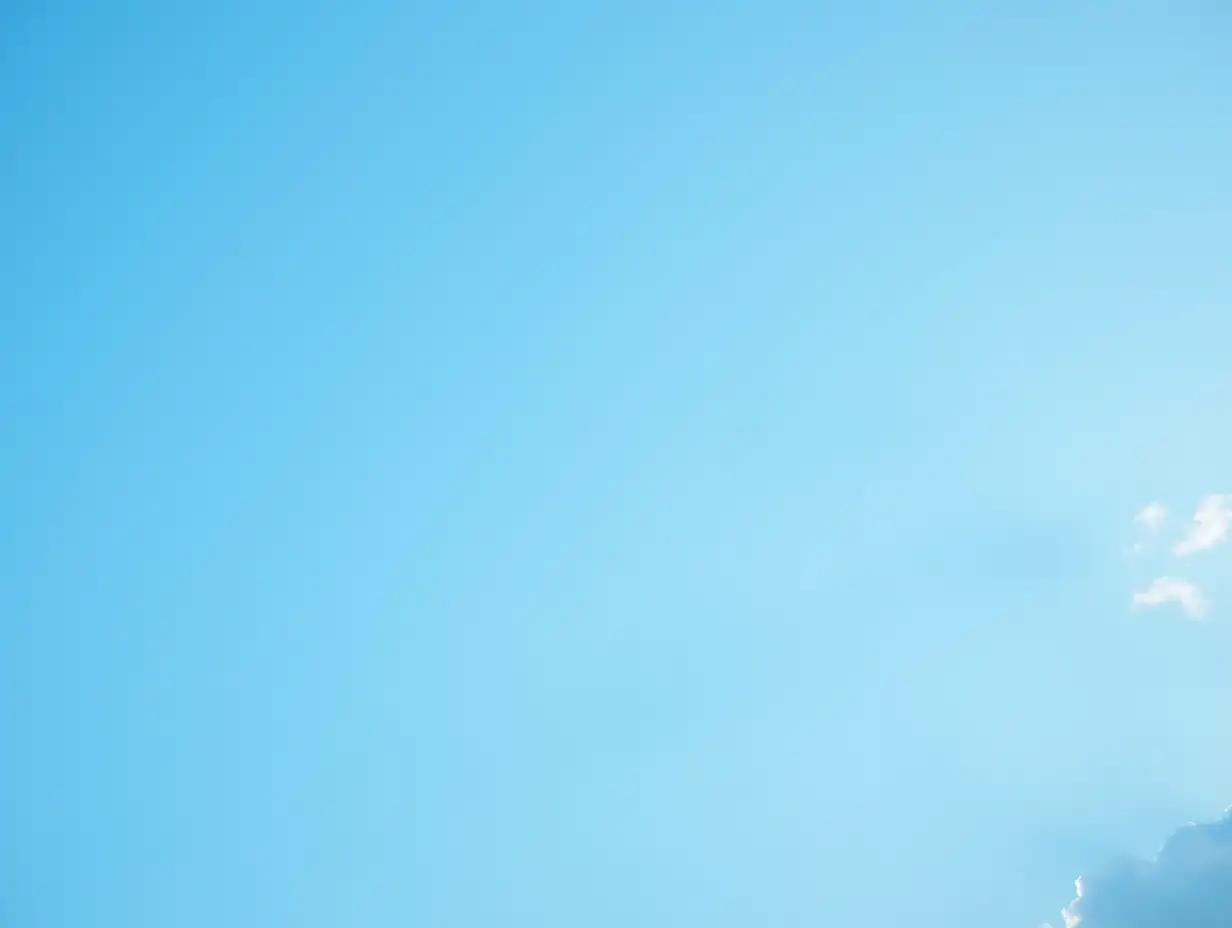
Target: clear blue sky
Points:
(658, 464)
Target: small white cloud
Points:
(1152, 515)
(1210, 524)
(1173, 590)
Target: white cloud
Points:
(1173, 590)
(1152, 515)
(1210, 524)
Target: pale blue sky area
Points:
(640, 464)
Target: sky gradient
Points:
(657, 464)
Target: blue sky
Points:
(576, 464)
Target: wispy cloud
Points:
(1210, 524)
(1173, 590)
(1152, 515)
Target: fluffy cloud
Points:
(1188, 885)
(1210, 524)
(1172, 590)
(1152, 515)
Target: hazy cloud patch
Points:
(1187, 885)
(1209, 526)
(1164, 590)
(1152, 515)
